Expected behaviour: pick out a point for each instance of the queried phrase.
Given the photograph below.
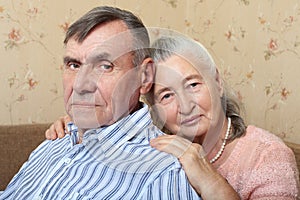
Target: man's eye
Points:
(73, 66)
(106, 67)
(103, 67)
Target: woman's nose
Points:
(186, 104)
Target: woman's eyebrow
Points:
(161, 91)
(193, 76)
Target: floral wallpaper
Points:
(256, 45)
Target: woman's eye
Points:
(194, 84)
(166, 98)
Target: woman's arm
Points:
(201, 174)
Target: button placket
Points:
(67, 161)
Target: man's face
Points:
(101, 85)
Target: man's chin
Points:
(85, 124)
(85, 118)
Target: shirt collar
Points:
(118, 133)
(125, 129)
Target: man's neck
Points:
(82, 131)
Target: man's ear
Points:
(147, 75)
(219, 82)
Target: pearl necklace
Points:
(217, 156)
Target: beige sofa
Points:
(16, 143)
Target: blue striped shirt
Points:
(114, 162)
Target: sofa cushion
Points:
(16, 144)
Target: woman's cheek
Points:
(171, 118)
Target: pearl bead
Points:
(217, 156)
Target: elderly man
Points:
(107, 155)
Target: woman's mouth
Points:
(191, 120)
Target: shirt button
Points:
(67, 161)
(38, 198)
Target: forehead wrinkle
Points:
(109, 53)
(98, 57)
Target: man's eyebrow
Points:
(68, 59)
(93, 58)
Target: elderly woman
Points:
(222, 157)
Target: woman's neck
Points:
(223, 147)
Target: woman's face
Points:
(184, 98)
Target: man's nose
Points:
(86, 81)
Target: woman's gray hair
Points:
(165, 46)
(197, 55)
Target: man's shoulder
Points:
(141, 156)
(154, 131)
(50, 146)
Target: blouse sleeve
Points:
(275, 173)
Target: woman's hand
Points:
(201, 174)
(190, 155)
(58, 128)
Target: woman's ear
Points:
(219, 82)
(147, 75)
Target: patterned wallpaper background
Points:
(255, 43)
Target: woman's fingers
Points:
(66, 119)
(57, 129)
(181, 148)
(59, 126)
(171, 144)
(50, 133)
